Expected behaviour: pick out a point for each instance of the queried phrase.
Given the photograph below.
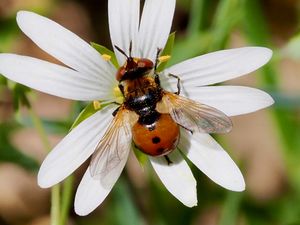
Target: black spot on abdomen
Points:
(155, 140)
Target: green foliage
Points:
(3, 80)
(167, 51)
(256, 28)
(19, 92)
(141, 157)
(8, 32)
(20, 96)
(210, 26)
(231, 208)
(224, 22)
(197, 16)
(85, 113)
(123, 209)
(103, 50)
(51, 126)
(8, 153)
(257, 33)
(188, 48)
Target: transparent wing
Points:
(195, 116)
(112, 151)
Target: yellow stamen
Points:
(97, 105)
(164, 58)
(106, 57)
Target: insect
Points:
(150, 116)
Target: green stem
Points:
(196, 17)
(40, 129)
(55, 205)
(67, 194)
(226, 17)
(55, 191)
(257, 33)
(229, 214)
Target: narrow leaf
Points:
(20, 96)
(124, 209)
(8, 153)
(230, 211)
(103, 50)
(141, 157)
(167, 51)
(3, 80)
(85, 113)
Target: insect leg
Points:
(157, 80)
(121, 87)
(116, 111)
(178, 83)
(192, 132)
(168, 160)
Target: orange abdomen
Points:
(157, 139)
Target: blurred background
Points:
(265, 144)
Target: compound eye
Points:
(120, 73)
(145, 63)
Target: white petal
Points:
(231, 100)
(91, 192)
(64, 45)
(74, 149)
(124, 17)
(51, 78)
(220, 66)
(177, 177)
(212, 160)
(155, 26)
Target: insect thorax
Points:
(142, 95)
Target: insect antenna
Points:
(130, 49)
(121, 51)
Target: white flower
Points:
(89, 77)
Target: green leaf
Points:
(67, 196)
(20, 96)
(8, 153)
(231, 208)
(254, 24)
(3, 80)
(103, 50)
(188, 48)
(257, 32)
(141, 157)
(8, 33)
(198, 10)
(51, 126)
(85, 113)
(124, 210)
(227, 16)
(167, 51)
